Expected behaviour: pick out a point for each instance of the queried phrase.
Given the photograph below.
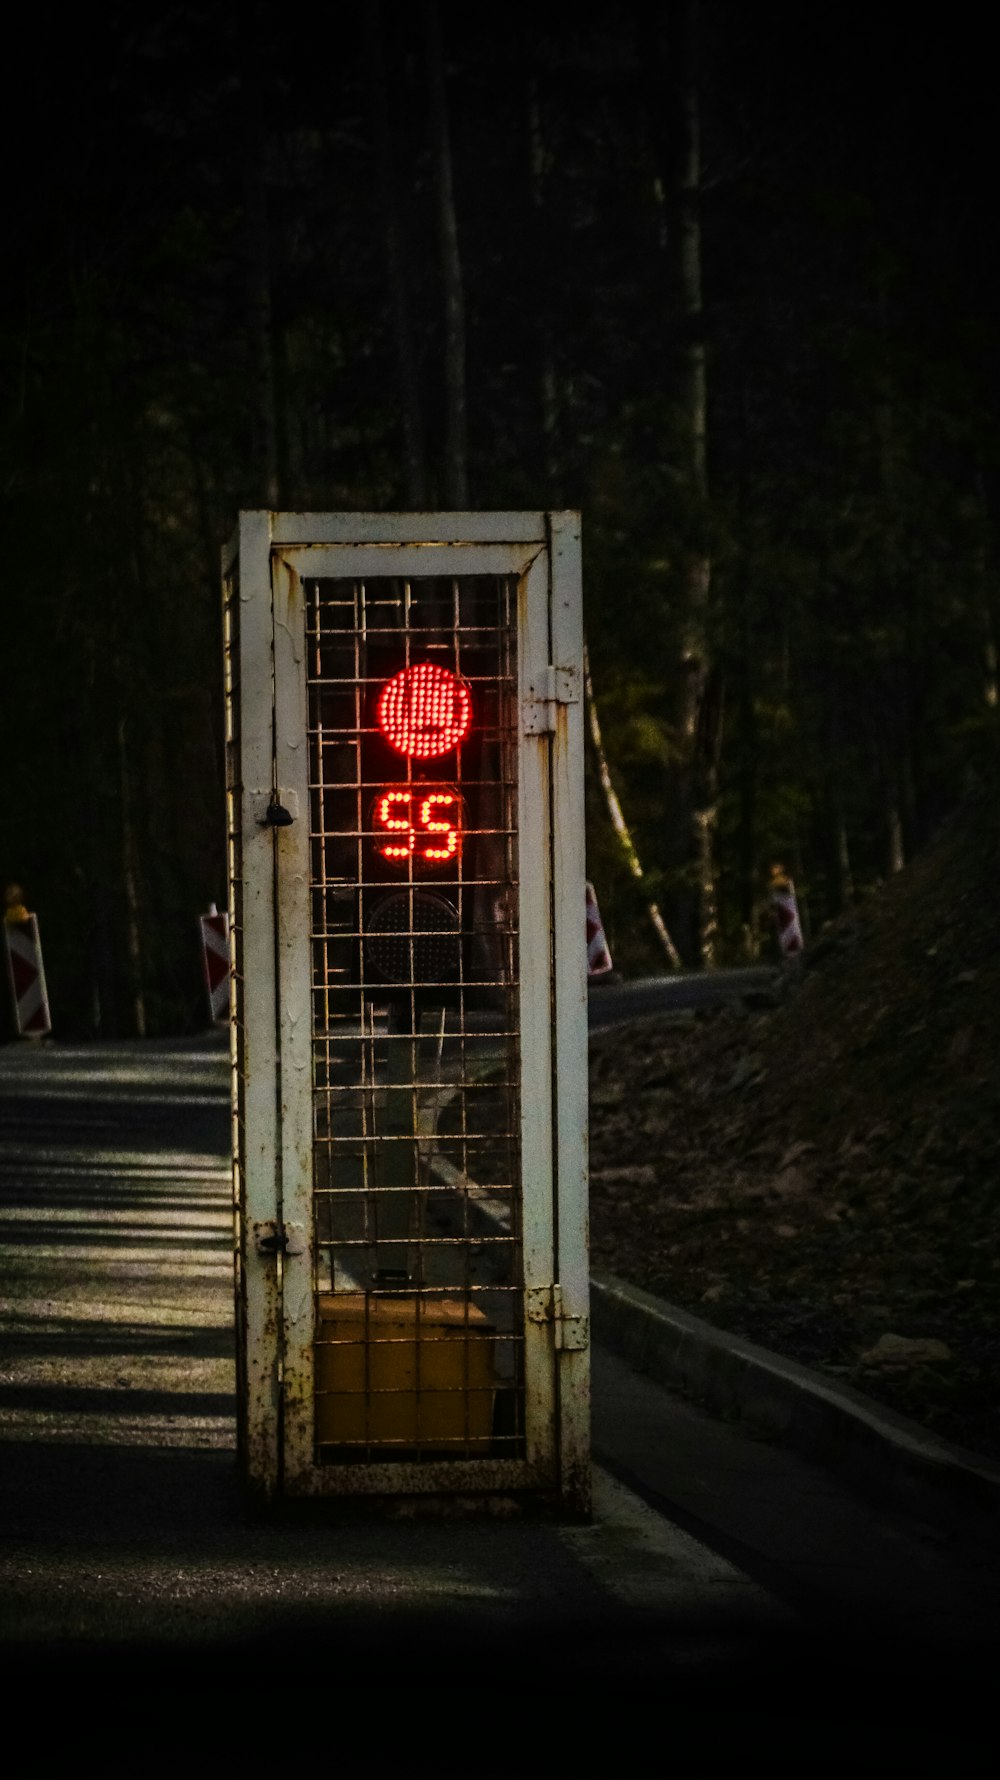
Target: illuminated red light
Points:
(424, 710)
(437, 818)
(419, 823)
(392, 812)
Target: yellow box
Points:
(403, 1372)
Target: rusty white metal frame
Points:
(254, 1029)
(278, 554)
(569, 963)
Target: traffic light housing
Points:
(413, 708)
(431, 821)
(418, 752)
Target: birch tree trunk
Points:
(618, 821)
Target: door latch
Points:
(275, 809)
(274, 1238)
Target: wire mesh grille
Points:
(416, 1138)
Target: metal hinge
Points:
(547, 690)
(271, 1237)
(544, 1304)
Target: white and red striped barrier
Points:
(26, 974)
(786, 913)
(598, 954)
(215, 958)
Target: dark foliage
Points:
(197, 199)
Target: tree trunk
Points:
(749, 875)
(265, 406)
(703, 717)
(840, 872)
(751, 890)
(987, 611)
(618, 821)
(548, 391)
(414, 451)
(893, 842)
(895, 850)
(691, 274)
(694, 710)
(456, 450)
(129, 884)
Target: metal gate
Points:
(404, 738)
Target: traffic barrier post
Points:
(598, 952)
(215, 959)
(26, 974)
(786, 913)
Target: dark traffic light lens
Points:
(413, 940)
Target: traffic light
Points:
(429, 779)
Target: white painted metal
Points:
(527, 560)
(390, 529)
(277, 554)
(292, 915)
(251, 775)
(408, 561)
(570, 968)
(535, 1021)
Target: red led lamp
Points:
(422, 823)
(424, 710)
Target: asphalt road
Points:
(612, 1000)
(728, 1586)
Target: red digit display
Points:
(438, 816)
(422, 823)
(424, 710)
(392, 816)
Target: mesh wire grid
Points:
(416, 1147)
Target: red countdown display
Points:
(424, 710)
(421, 824)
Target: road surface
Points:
(611, 1001)
(723, 1584)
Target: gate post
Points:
(249, 642)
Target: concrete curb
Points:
(885, 1456)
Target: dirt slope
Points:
(822, 1175)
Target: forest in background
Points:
(720, 276)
